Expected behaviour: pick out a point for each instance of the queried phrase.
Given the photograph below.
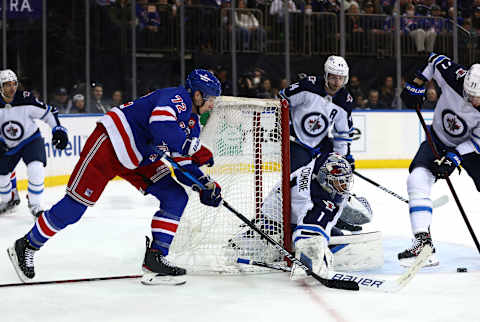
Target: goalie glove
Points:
(314, 253)
(443, 167)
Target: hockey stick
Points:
(92, 279)
(364, 282)
(449, 183)
(338, 284)
(436, 203)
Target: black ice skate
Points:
(408, 256)
(159, 270)
(21, 255)
(12, 203)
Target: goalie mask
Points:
(7, 75)
(336, 65)
(471, 86)
(336, 173)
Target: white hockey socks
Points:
(419, 185)
(5, 189)
(36, 178)
(314, 253)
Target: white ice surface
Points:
(109, 240)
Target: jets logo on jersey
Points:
(453, 125)
(314, 124)
(329, 205)
(460, 73)
(12, 130)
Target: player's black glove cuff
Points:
(60, 137)
(413, 95)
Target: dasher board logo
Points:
(12, 130)
(453, 124)
(314, 124)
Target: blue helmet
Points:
(205, 82)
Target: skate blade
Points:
(157, 279)
(430, 262)
(12, 255)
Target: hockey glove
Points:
(203, 156)
(350, 160)
(3, 147)
(412, 95)
(60, 137)
(211, 195)
(443, 167)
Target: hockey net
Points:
(249, 139)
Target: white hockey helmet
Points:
(471, 84)
(336, 65)
(337, 173)
(7, 75)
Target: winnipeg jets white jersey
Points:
(455, 121)
(313, 113)
(306, 196)
(17, 118)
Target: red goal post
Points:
(249, 139)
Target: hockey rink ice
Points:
(109, 240)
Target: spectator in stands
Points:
(276, 9)
(431, 100)
(387, 92)
(222, 76)
(415, 27)
(476, 19)
(249, 28)
(245, 87)
(36, 93)
(60, 100)
(354, 87)
(117, 99)
(374, 102)
(148, 17)
(283, 84)
(360, 102)
(78, 105)
(266, 90)
(97, 105)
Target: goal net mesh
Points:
(245, 137)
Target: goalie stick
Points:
(331, 283)
(436, 203)
(364, 282)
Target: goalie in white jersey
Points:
(456, 134)
(20, 138)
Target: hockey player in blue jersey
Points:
(318, 104)
(129, 142)
(456, 134)
(20, 139)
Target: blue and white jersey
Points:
(160, 119)
(455, 121)
(17, 119)
(313, 113)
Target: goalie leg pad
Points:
(357, 252)
(314, 253)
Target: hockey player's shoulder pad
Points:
(310, 84)
(452, 73)
(26, 98)
(344, 100)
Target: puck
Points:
(461, 269)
